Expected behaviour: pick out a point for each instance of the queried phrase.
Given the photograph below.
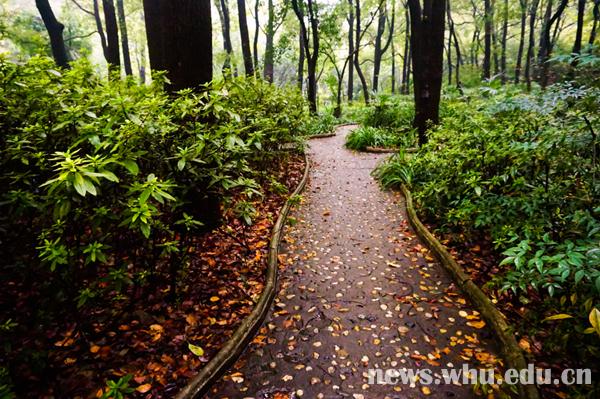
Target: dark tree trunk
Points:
(269, 48)
(530, 47)
(459, 59)
(223, 10)
(351, 51)
(503, 74)
(245, 38)
(379, 48)
(55, 32)
(487, 40)
(301, 58)
(518, 66)
(100, 29)
(449, 46)
(495, 40)
(112, 35)
(124, 38)
(256, 32)
(580, 21)
(357, 66)
(393, 69)
(596, 13)
(312, 54)
(180, 41)
(407, 49)
(545, 42)
(427, 41)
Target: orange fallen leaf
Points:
(144, 388)
(476, 324)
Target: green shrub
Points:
(320, 124)
(395, 113)
(365, 136)
(96, 173)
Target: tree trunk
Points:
(180, 41)
(379, 48)
(245, 38)
(495, 40)
(545, 42)
(223, 10)
(393, 69)
(459, 59)
(100, 29)
(580, 21)
(124, 38)
(406, 61)
(312, 54)
(530, 47)
(427, 41)
(351, 51)
(55, 32)
(256, 32)
(301, 58)
(596, 13)
(269, 48)
(503, 74)
(357, 66)
(518, 65)
(487, 40)
(112, 35)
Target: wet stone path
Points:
(357, 291)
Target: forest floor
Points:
(357, 290)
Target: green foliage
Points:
(98, 172)
(522, 170)
(395, 113)
(118, 389)
(320, 124)
(366, 136)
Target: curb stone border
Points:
(233, 348)
(333, 133)
(512, 353)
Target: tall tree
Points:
(55, 32)
(256, 32)
(531, 44)
(407, 54)
(245, 38)
(580, 22)
(358, 36)
(546, 43)
(269, 47)
(223, 10)
(596, 14)
(112, 35)
(350, 50)
(427, 41)
(504, 38)
(487, 40)
(523, 8)
(453, 37)
(180, 41)
(124, 38)
(311, 52)
(380, 48)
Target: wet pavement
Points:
(357, 291)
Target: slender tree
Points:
(350, 20)
(407, 53)
(301, 59)
(180, 41)
(487, 40)
(427, 41)
(124, 38)
(546, 43)
(380, 48)
(503, 74)
(245, 38)
(580, 22)
(256, 33)
(222, 7)
(518, 66)
(55, 32)
(531, 44)
(269, 47)
(312, 52)
(112, 35)
(357, 67)
(596, 14)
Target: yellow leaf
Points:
(214, 299)
(595, 319)
(426, 390)
(196, 350)
(560, 316)
(144, 388)
(476, 324)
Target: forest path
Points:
(358, 291)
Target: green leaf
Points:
(131, 166)
(79, 184)
(196, 350)
(594, 318)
